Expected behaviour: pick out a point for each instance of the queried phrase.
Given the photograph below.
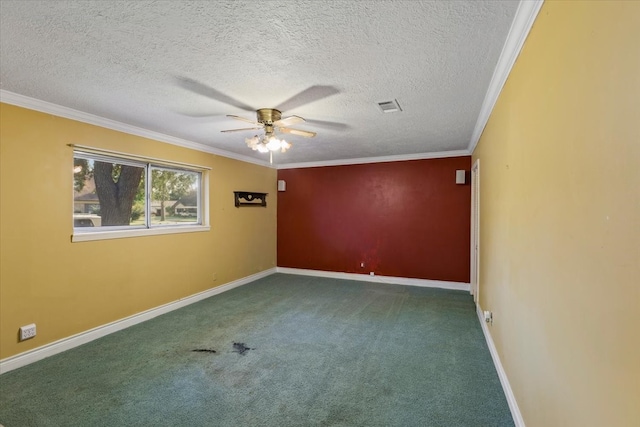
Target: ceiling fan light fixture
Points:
(255, 144)
(275, 144)
(270, 120)
(284, 146)
(272, 143)
(267, 143)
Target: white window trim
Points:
(141, 159)
(138, 232)
(86, 236)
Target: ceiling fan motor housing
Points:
(271, 120)
(268, 115)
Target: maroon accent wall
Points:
(405, 219)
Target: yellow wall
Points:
(560, 217)
(67, 288)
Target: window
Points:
(130, 196)
(175, 198)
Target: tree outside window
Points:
(124, 198)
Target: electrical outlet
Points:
(214, 276)
(28, 331)
(362, 265)
(488, 317)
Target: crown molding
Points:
(69, 113)
(522, 23)
(520, 27)
(383, 159)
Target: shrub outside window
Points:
(113, 193)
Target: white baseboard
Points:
(68, 343)
(377, 279)
(506, 387)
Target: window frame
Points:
(149, 186)
(81, 234)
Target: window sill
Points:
(139, 232)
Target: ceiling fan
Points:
(270, 120)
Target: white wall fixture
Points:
(27, 332)
(488, 317)
(461, 176)
(282, 185)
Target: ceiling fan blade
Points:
(209, 92)
(288, 121)
(253, 122)
(307, 96)
(204, 117)
(298, 132)
(329, 125)
(240, 130)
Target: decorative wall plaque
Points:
(250, 198)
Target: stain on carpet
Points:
(204, 350)
(240, 348)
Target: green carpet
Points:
(309, 352)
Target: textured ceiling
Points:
(179, 67)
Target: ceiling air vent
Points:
(389, 106)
